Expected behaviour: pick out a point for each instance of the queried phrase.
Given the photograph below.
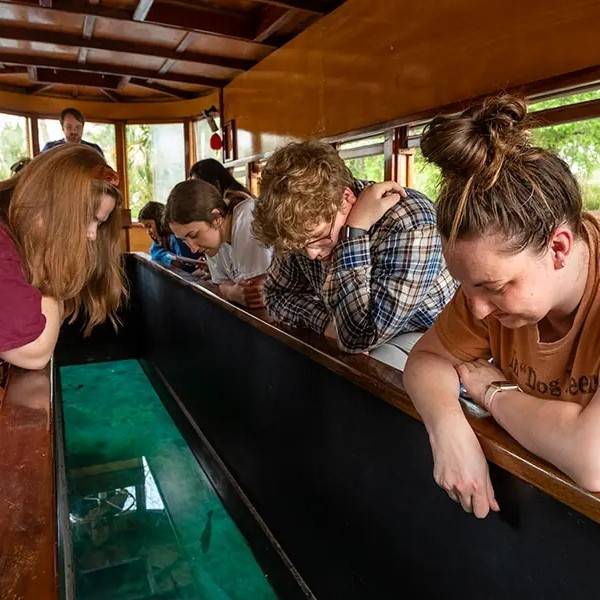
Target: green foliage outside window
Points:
(13, 142)
(155, 162)
(371, 168)
(140, 178)
(578, 144)
(426, 176)
(564, 100)
(103, 134)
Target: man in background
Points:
(72, 123)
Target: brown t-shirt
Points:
(566, 369)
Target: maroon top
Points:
(21, 318)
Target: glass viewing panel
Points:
(145, 520)
(14, 143)
(155, 162)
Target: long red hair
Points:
(50, 207)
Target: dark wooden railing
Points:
(386, 382)
(28, 538)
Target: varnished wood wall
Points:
(107, 111)
(372, 61)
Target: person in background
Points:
(213, 172)
(60, 252)
(354, 267)
(166, 248)
(514, 236)
(221, 227)
(72, 123)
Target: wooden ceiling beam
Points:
(153, 85)
(271, 20)
(170, 62)
(89, 22)
(76, 78)
(111, 95)
(82, 56)
(12, 70)
(311, 6)
(39, 89)
(191, 17)
(24, 34)
(141, 10)
(201, 19)
(32, 72)
(108, 69)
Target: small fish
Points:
(206, 533)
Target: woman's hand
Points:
(476, 376)
(460, 467)
(373, 202)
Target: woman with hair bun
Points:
(515, 237)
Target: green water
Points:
(145, 520)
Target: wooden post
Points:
(189, 140)
(34, 136)
(121, 141)
(253, 178)
(403, 156)
(390, 153)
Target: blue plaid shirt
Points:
(389, 281)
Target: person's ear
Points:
(561, 246)
(217, 218)
(348, 201)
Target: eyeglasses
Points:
(316, 244)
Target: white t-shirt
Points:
(245, 257)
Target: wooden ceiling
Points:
(142, 50)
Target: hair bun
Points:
(477, 141)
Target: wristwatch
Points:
(350, 233)
(494, 388)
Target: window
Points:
(14, 143)
(578, 144)
(50, 130)
(102, 134)
(365, 157)
(203, 135)
(239, 173)
(564, 100)
(424, 176)
(155, 162)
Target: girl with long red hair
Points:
(59, 251)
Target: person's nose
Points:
(313, 253)
(480, 307)
(192, 245)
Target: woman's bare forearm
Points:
(433, 385)
(36, 354)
